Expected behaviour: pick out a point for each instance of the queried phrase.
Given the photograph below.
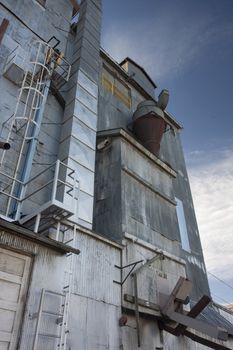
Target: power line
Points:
(220, 280)
(220, 298)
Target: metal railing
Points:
(57, 184)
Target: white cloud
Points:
(165, 44)
(212, 189)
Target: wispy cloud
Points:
(166, 44)
(212, 188)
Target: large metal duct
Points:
(149, 123)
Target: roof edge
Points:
(140, 67)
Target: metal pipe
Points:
(32, 145)
(5, 145)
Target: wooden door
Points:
(14, 275)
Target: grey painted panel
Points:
(97, 327)
(88, 100)
(87, 84)
(88, 46)
(146, 169)
(148, 209)
(80, 131)
(113, 113)
(85, 211)
(88, 36)
(85, 176)
(95, 271)
(82, 154)
(81, 112)
(150, 335)
(85, 115)
(92, 72)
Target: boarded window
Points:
(116, 86)
(182, 225)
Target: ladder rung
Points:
(55, 293)
(49, 335)
(51, 313)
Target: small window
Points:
(75, 15)
(182, 225)
(117, 87)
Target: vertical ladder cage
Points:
(24, 126)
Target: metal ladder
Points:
(62, 317)
(25, 125)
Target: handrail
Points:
(55, 181)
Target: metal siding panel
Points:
(88, 84)
(82, 154)
(150, 277)
(88, 100)
(95, 271)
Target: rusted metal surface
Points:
(149, 125)
(149, 130)
(3, 28)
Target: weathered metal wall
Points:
(147, 215)
(134, 193)
(159, 276)
(112, 112)
(95, 301)
(78, 138)
(172, 152)
(53, 20)
(46, 272)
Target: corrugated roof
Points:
(213, 317)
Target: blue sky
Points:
(186, 46)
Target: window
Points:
(182, 225)
(117, 87)
(75, 14)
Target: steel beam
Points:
(194, 312)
